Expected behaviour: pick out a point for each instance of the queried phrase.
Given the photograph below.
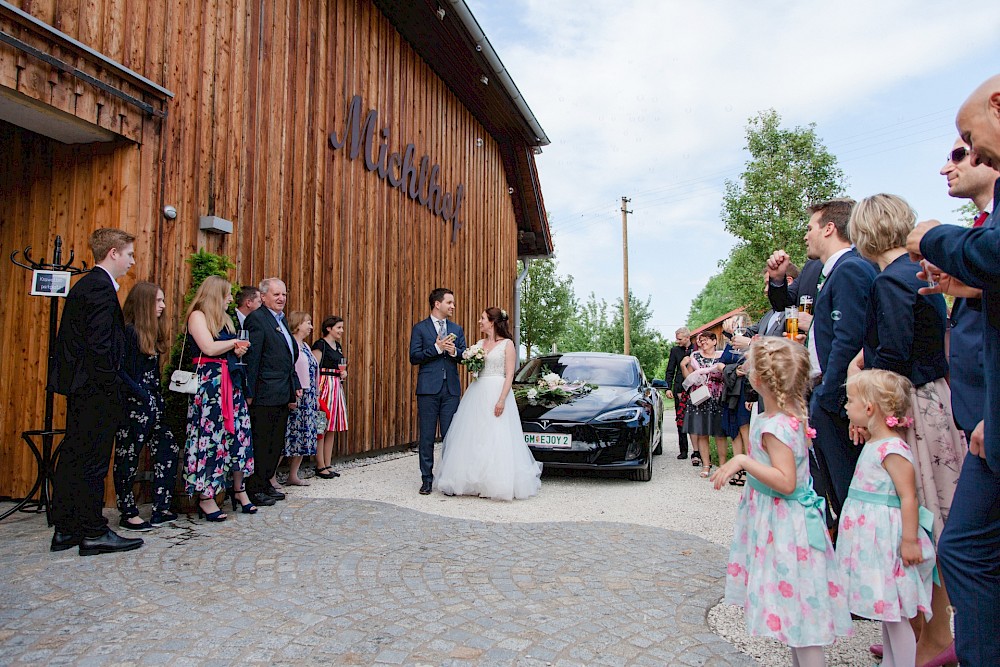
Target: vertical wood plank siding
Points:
(259, 85)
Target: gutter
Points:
(517, 307)
(483, 44)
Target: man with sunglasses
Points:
(967, 551)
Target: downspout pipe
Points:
(517, 305)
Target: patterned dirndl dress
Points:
(332, 401)
(218, 423)
(306, 421)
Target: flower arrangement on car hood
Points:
(551, 390)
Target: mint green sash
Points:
(925, 518)
(814, 504)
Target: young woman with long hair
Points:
(218, 425)
(145, 341)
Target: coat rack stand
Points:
(45, 453)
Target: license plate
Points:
(549, 440)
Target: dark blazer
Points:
(90, 344)
(904, 330)
(838, 327)
(271, 376)
(784, 295)
(436, 369)
(971, 256)
(674, 376)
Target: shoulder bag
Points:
(184, 382)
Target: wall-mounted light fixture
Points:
(213, 223)
(479, 142)
(441, 13)
(510, 191)
(485, 79)
(169, 212)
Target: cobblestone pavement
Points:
(348, 582)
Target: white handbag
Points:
(699, 395)
(184, 382)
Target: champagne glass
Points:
(243, 336)
(342, 366)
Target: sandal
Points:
(696, 461)
(323, 473)
(739, 479)
(706, 472)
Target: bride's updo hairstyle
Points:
(500, 320)
(783, 367)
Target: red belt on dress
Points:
(228, 415)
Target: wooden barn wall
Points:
(259, 86)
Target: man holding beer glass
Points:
(836, 334)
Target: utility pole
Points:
(625, 302)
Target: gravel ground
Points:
(675, 499)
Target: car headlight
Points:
(620, 415)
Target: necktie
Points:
(441, 328)
(980, 219)
(822, 279)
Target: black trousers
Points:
(833, 458)
(432, 409)
(78, 483)
(267, 428)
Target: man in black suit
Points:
(835, 337)
(675, 387)
(272, 386)
(436, 346)
(90, 347)
(247, 301)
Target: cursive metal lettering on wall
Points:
(418, 180)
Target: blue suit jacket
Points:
(784, 295)
(971, 256)
(839, 325)
(436, 368)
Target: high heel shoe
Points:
(945, 657)
(249, 508)
(215, 517)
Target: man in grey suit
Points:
(436, 347)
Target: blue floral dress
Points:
(789, 589)
(878, 585)
(211, 451)
(306, 422)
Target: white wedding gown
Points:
(485, 455)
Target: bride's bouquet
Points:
(474, 358)
(551, 390)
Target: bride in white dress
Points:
(484, 451)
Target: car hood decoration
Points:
(580, 409)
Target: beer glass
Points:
(791, 322)
(806, 304)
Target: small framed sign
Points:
(50, 283)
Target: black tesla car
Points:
(616, 427)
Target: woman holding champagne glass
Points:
(218, 423)
(332, 375)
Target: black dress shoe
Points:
(64, 541)
(109, 542)
(274, 493)
(682, 455)
(261, 499)
(425, 489)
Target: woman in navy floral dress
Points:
(305, 421)
(145, 340)
(218, 426)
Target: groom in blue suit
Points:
(436, 347)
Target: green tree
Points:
(548, 303)
(585, 329)
(715, 300)
(766, 208)
(647, 344)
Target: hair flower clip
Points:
(893, 422)
(503, 313)
(810, 433)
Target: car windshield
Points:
(602, 371)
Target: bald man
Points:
(970, 260)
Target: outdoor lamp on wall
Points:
(169, 212)
(441, 13)
(479, 142)
(485, 79)
(215, 224)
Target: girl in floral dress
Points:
(883, 543)
(782, 567)
(305, 421)
(218, 442)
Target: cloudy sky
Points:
(650, 98)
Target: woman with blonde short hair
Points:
(905, 334)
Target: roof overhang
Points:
(448, 38)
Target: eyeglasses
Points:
(959, 154)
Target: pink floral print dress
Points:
(790, 591)
(878, 585)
